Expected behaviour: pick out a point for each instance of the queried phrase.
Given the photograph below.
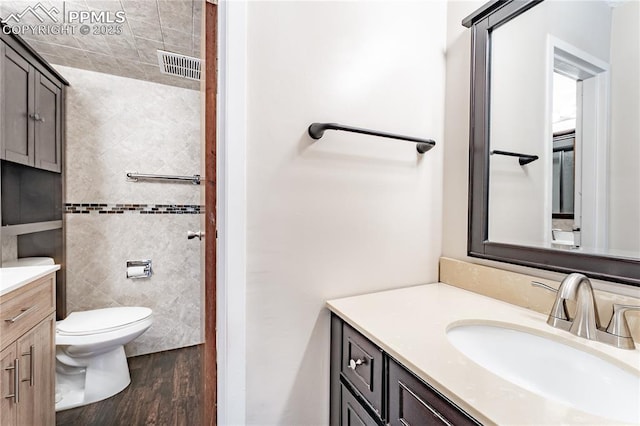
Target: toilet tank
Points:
(28, 261)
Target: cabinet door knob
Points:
(354, 363)
(37, 117)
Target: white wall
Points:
(456, 150)
(624, 208)
(519, 196)
(345, 215)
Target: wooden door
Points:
(210, 351)
(48, 123)
(17, 107)
(8, 405)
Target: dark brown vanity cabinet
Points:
(352, 412)
(31, 110)
(370, 388)
(413, 402)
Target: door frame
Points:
(210, 129)
(592, 142)
(230, 284)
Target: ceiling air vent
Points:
(179, 65)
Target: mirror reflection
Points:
(565, 91)
(565, 230)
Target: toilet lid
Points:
(101, 320)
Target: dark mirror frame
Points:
(482, 23)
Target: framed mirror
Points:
(554, 152)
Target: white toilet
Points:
(91, 364)
(90, 361)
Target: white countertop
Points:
(410, 324)
(14, 278)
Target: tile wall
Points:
(9, 247)
(516, 288)
(117, 125)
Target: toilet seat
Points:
(99, 321)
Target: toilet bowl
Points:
(91, 364)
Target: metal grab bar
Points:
(316, 130)
(522, 158)
(134, 177)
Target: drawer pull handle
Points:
(16, 381)
(354, 363)
(30, 354)
(22, 313)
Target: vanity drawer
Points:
(352, 413)
(362, 366)
(23, 308)
(413, 402)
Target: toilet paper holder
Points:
(139, 269)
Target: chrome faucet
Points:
(586, 322)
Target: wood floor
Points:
(165, 389)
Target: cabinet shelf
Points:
(30, 228)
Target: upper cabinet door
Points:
(17, 108)
(48, 122)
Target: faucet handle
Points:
(618, 333)
(559, 315)
(543, 285)
(559, 310)
(618, 325)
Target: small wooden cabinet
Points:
(17, 104)
(370, 388)
(31, 109)
(48, 120)
(32, 116)
(27, 354)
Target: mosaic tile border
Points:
(103, 208)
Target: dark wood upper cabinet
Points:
(31, 110)
(17, 104)
(48, 132)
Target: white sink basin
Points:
(552, 370)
